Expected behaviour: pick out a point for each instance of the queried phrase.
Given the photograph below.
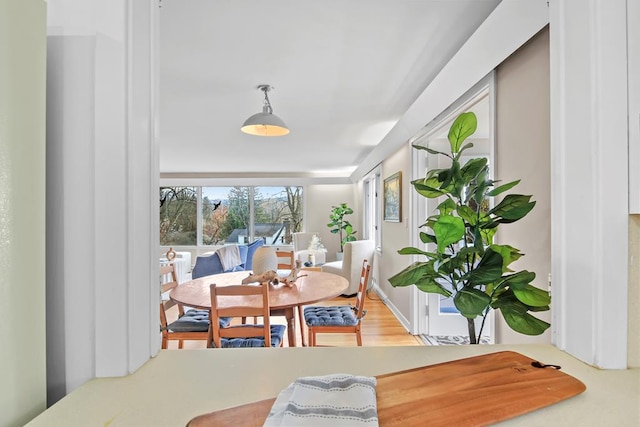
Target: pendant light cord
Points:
(267, 103)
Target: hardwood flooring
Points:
(379, 328)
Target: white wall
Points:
(22, 210)
(523, 152)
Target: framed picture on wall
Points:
(393, 198)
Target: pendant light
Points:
(265, 123)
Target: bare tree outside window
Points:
(229, 215)
(178, 215)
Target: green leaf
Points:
(428, 188)
(472, 168)
(448, 229)
(464, 147)
(430, 150)
(412, 251)
(467, 214)
(410, 275)
(513, 207)
(503, 188)
(487, 235)
(516, 315)
(532, 296)
(509, 254)
(523, 323)
(488, 270)
(464, 126)
(427, 238)
(519, 280)
(471, 302)
(431, 286)
(446, 207)
(446, 176)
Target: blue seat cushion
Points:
(277, 335)
(196, 321)
(330, 316)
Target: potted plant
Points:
(339, 225)
(464, 262)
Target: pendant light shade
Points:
(265, 123)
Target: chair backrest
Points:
(170, 279)
(362, 289)
(255, 303)
(354, 253)
(285, 260)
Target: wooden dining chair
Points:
(301, 310)
(243, 301)
(285, 260)
(190, 325)
(339, 319)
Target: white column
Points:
(589, 179)
(103, 182)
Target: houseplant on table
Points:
(465, 263)
(340, 225)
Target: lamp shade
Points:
(264, 124)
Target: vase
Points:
(264, 259)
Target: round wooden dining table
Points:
(309, 287)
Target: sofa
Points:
(208, 264)
(351, 265)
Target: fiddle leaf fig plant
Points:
(465, 262)
(339, 225)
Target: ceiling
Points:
(344, 73)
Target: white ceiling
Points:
(344, 73)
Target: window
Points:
(178, 213)
(205, 216)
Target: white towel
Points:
(330, 400)
(229, 256)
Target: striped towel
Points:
(330, 400)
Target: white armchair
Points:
(301, 250)
(351, 265)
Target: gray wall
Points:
(395, 235)
(523, 152)
(319, 200)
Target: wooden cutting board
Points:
(475, 391)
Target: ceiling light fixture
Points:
(265, 123)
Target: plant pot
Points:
(339, 256)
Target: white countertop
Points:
(178, 385)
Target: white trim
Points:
(417, 215)
(590, 180)
(397, 313)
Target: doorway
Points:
(438, 318)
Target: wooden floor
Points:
(379, 328)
